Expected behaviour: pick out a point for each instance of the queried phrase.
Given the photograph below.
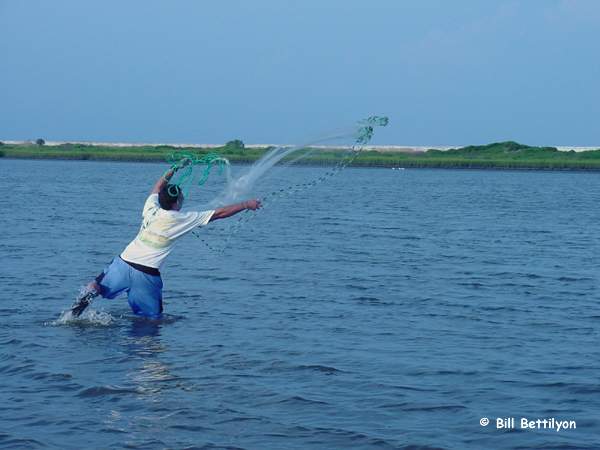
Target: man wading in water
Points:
(136, 270)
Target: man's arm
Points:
(228, 211)
(163, 181)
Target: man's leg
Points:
(145, 294)
(91, 291)
(110, 283)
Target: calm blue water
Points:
(384, 309)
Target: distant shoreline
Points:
(377, 148)
(500, 155)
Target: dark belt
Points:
(145, 269)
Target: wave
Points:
(319, 368)
(100, 391)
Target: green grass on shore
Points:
(501, 155)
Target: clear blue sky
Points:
(445, 72)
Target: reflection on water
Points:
(145, 347)
(142, 328)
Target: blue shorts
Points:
(144, 291)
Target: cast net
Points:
(268, 178)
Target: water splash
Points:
(88, 317)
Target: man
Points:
(136, 270)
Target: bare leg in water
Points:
(91, 291)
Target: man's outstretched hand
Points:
(253, 204)
(228, 211)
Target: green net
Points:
(365, 131)
(192, 169)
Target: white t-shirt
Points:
(159, 231)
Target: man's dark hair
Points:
(168, 196)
